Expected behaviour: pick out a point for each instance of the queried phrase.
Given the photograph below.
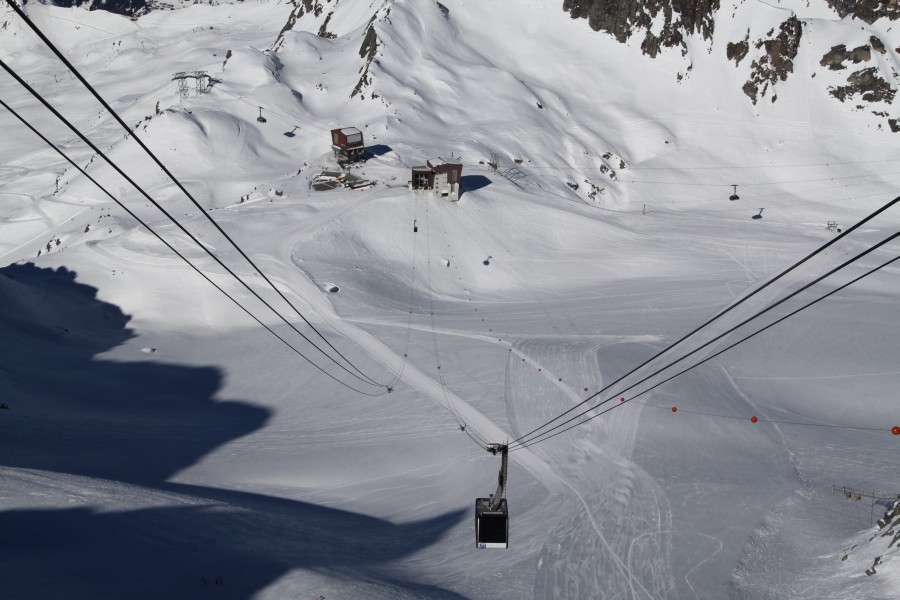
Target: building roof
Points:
(350, 130)
(437, 162)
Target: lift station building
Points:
(347, 144)
(438, 176)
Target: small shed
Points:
(439, 176)
(347, 144)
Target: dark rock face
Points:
(369, 45)
(323, 30)
(622, 18)
(736, 51)
(129, 8)
(367, 50)
(868, 84)
(302, 7)
(867, 10)
(835, 58)
(777, 61)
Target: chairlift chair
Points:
(492, 514)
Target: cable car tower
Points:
(492, 514)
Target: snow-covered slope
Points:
(160, 443)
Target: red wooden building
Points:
(439, 176)
(347, 144)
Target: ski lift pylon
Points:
(492, 514)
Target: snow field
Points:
(249, 463)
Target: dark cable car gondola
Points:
(492, 514)
(734, 196)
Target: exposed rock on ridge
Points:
(624, 18)
(367, 51)
(129, 8)
(867, 10)
(867, 84)
(777, 60)
(835, 58)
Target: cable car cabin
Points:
(491, 526)
(347, 144)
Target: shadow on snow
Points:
(139, 423)
(472, 183)
(378, 150)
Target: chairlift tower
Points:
(202, 82)
(201, 79)
(181, 80)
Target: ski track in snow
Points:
(523, 294)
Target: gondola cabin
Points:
(347, 144)
(491, 526)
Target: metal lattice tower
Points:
(201, 83)
(202, 78)
(181, 80)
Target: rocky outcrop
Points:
(877, 45)
(369, 45)
(323, 30)
(863, 85)
(835, 58)
(129, 8)
(777, 60)
(867, 84)
(624, 18)
(867, 10)
(367, 51)
(736, 51)
(302, 7)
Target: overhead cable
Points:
(720, 336)
(544, 437)
(193, 238)
(722, 313)
(181, 187)
(170, 247)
